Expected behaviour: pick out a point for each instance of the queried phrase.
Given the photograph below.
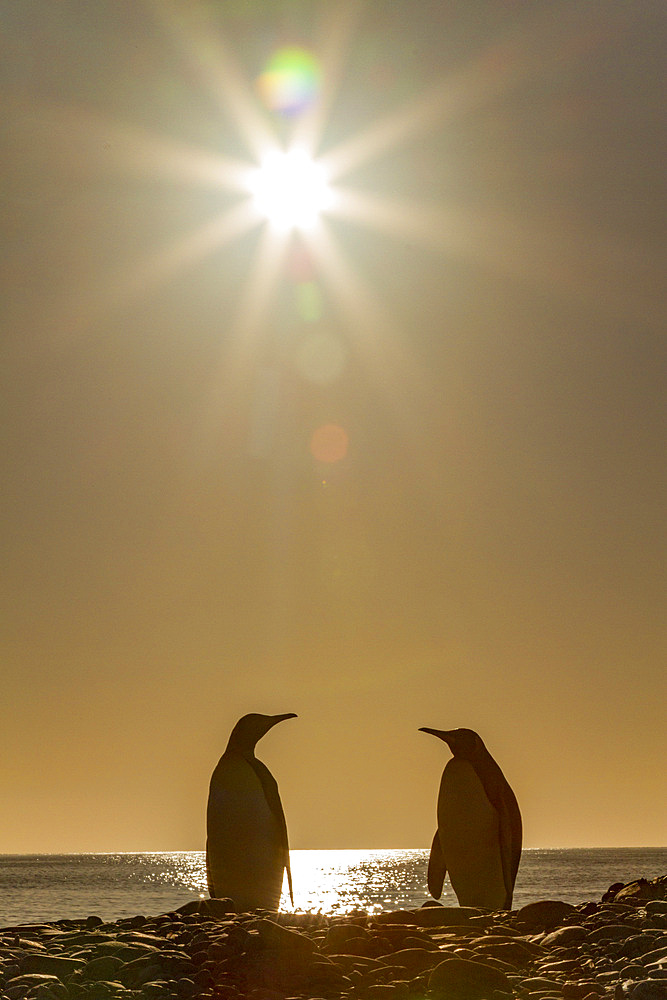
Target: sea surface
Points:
(36, 888)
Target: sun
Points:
(291, 179)
(290, 189)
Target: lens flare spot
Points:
(290, 82)
(329, 443)
(309, 301)
(300, 266)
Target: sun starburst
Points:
(290, 184)
(290, 189)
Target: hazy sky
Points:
(480, 319)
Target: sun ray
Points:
(335, 33)
(81, 140)
(261, 281)
(403, 385)
(231, 384)
(376, 336)
(543, 250)
(511, 60)
(218, 70)
(149, 154)
(133, 279)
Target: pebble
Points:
(616, 949)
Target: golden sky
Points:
(406, 469)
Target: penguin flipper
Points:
(289, 877)
(436, 868)
(510, 844)
(209, 880)
(270, 787)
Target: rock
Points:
(106, 991)
(385, 991)
(275, 967)
(54, 965)
(636, 944)
(326, 976)
(649, 989)
(186, 987)
(658, 956)
(140, 971)
(340, 935)
(217, 907)
(104, 967)
(548, 950)
(611, 892)
(639, 890)
(152, 968)
(397, 916)
(142, 938)
(564, 936)
(542, 984)
(21, 985)
(610, 932)
(444, 916)
(544, 914)
(415, 960)
(370, 947)
(581, 989)
(54, 991)
(460, 979)
(514, 953)
(419, 940)
(272, 935)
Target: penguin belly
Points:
(469, 833)
(244, 859)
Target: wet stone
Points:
(544, 914)
(564, 936)
(610, 932)
(466, 979)
(551, 951)
(102, 968)
(652, 989)
(54, 965)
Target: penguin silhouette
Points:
(246, 834)
(478, 840)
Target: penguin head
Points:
(463, 743)
(250, 728)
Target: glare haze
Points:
(401, 469)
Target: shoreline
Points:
(615, 948)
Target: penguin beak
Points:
(442, 734)
(281, 718)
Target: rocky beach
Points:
(616, 947)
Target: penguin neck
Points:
(481, 756)
(240, 748)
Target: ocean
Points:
(46, 887)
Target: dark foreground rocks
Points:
(551, 950)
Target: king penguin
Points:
(478, 840)
(246, 833)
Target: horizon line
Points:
(340, 850)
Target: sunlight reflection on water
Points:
(184, 869)
(341, 881)
(329, 881)
(34, 888)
